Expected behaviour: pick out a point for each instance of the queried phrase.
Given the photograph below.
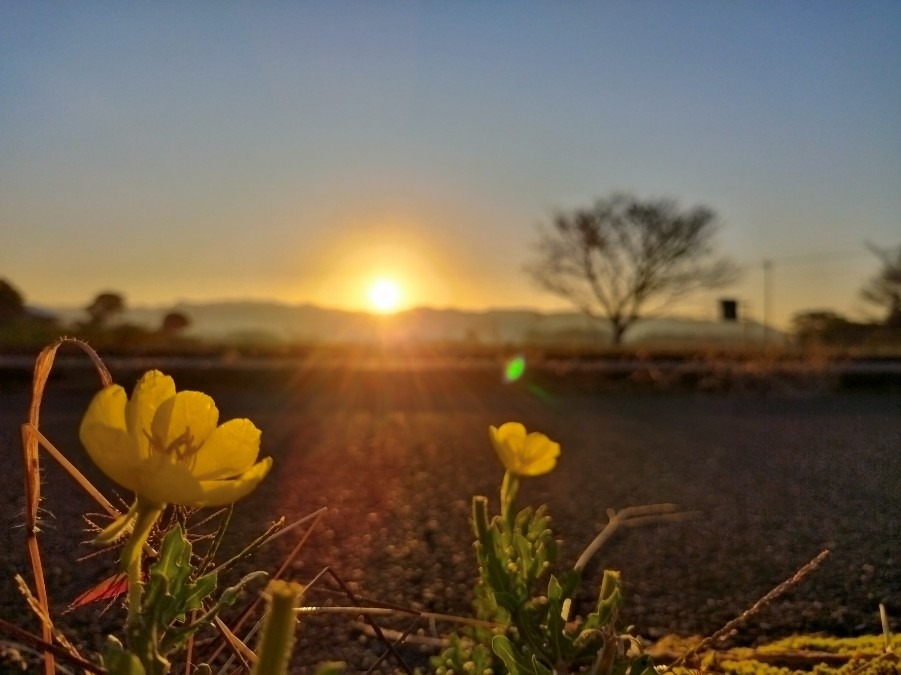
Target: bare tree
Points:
(624, 258)
(884, 289)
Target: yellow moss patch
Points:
(795, 655)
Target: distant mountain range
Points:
(274, 323)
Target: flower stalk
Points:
(278, 631)
(509, 490)
(145, 517)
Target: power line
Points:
(809, 258)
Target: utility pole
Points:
(767, 299)
(794, 260)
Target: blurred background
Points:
(260, 171)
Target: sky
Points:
(298, 151)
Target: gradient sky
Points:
(294, 151)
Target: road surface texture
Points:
(777, 475)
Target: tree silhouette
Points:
(618, 258)
(104, 306)
(884, 289)
(175, 322)
(12, 304)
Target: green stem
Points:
(146, 514)
(509, 490)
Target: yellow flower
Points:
(167, 448)
(524, 454)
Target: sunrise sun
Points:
(384, 296)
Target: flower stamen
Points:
(181, 447)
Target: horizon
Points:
(305, 153)
(283, 303)
(377, 315)
(278, 323)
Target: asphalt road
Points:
(396, 456)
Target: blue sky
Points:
(296, 151)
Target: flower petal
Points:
(230, 450)
(506, 441)
(509, 430)
(168, 482)
(525, 454)
(165, 445)
(539, 455)
(221, 492)
(537, 445)
(189, 411)
(150, 391)
(103, 434)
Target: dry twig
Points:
(753, 609)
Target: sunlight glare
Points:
(384, 296)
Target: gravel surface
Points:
(397, 456)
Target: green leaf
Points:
(610, 599)
(539, 667)
(230, 594)
(570, 581)
(506, 652)
(642, 665)
(608, 610)
(587, 644)
(165, 593)
(523, 549)
(555, 623)
(118, 661)
(480, 517)
(199, 591)
(507, 601)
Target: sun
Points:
(384, 296)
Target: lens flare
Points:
(514, 368)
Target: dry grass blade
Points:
(33, 641)
(383, 609)
(632, 516)
(189, 647)
(70, 468)
(213, 548)
(243, 652)
(259, 624)
(375, 627)
(45, 620)
(753, 609)
(397, 641)
(423, 640)
(31, 467)
(239, 623)
(886, 629)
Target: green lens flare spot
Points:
(514, 368)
